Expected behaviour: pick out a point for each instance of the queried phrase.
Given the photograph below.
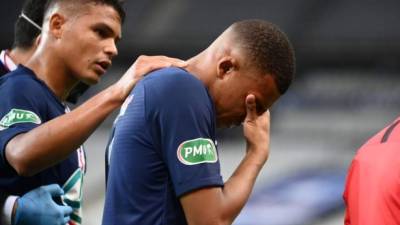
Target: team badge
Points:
(18, 116)
(197, 151)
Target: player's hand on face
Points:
(142, 66)
(37, 207)
(256, 129)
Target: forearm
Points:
(220, 206)
(56, 139)
(239, 186)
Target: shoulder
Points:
(21, 80)
(173, 82)
(20, 87)
(172, 78)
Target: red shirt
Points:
(372, 193)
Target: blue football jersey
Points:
(163, 146)
(25, 103)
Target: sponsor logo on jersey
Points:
(19, 116)
(196, 151)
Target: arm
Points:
(52, 142)
(221, 205)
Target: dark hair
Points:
(24, 32)
(116, 4)
(269, 49)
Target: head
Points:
(252, 57)
(26, 32)
(82, 36)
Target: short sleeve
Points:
(20, 110)
(185, 128)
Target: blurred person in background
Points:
(40, 141)
(163, 165)
(372, 192)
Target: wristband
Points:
(6, 212)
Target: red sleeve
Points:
(350, 197)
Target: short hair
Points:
(268, 48)
(116, 4)
(25, 33)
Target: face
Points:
(233, 90)
(88, 42)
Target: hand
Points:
(142, 66)
(37, 207)
(256, 129)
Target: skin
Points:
(241, 93)
(21, 56)
(64, 32)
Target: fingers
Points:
(66, 219)
(251, 108)
(175, 62)
(66, 210)
(54, 189)
(150, 63)
(168, 61)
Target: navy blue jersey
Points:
(25, 103)
(163, 146)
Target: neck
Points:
(19, 55)
(52, 71)
(200, 67)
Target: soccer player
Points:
(39, 141)
(372, 193)
(38, 203)
(163, 158)
(27, 30)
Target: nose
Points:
(111, 49)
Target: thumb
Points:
(54, 190)
(251, 109)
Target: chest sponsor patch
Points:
(19, 116)
(196, 151)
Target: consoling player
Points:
(163, 160)
(38, 203)
(39, 141)
(27, 29)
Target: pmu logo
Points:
(197, 151)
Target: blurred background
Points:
(346, 89)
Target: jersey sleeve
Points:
(351, 186)
(21, 110)
(185, 130)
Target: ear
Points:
(226, 66)
(56, 25)
(37, 40)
